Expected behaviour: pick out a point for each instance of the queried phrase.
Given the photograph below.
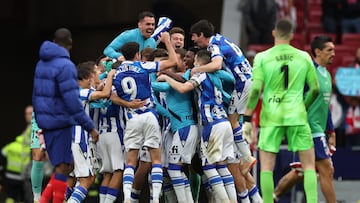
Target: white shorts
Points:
(111, 152)
(166, 142)
(184, 145)
(142, 130)
(217, 143)
(85, 162)
(144, 154)
(239, 99)
(237, 155)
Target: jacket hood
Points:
(50, 50)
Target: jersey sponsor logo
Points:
(274, 99)
(174, 149)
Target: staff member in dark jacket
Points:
(58, 109)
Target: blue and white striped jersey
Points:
(81, 135)
(94, 113)
(210, 100)
(234, 59)
(132, 81)
(112, 120)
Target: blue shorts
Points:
(58, 145)
(321, 149)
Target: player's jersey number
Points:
(285, 70)
(128, 85)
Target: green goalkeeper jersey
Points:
(283, 70)
(319, 109)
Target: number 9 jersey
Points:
(132, 81)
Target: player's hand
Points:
(40, 135)
(332, 150)
(164, 36)
(247, 131)
(195, 70)
(136, 103)
(332, 143)
(332, 139)
(162, 78)
(94, 135)
(121, 58)
(111, 73)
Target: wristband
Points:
(247, 118)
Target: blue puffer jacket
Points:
(56, 91)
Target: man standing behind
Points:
(141, 35)
(282, 72)
(58, 109)
(17, 154)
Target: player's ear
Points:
(138, 56)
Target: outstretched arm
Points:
(214, 65)
(178, 86)
(133, 104)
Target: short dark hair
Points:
(146, 52)
(177, 30)
(203, 26)
(85, 69)
(116, 64)
(284, 27)
(204, 56)
(181, 52)
(319, 43)
(159, 52)
(144, 14)
(129, 50)
(193, 49)
(99, 58)
(62, 37)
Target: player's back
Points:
(284, 71)
(233, 56)
(132, 82)
(209, 99)
(235, 61)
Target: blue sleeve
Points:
(69, 90)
